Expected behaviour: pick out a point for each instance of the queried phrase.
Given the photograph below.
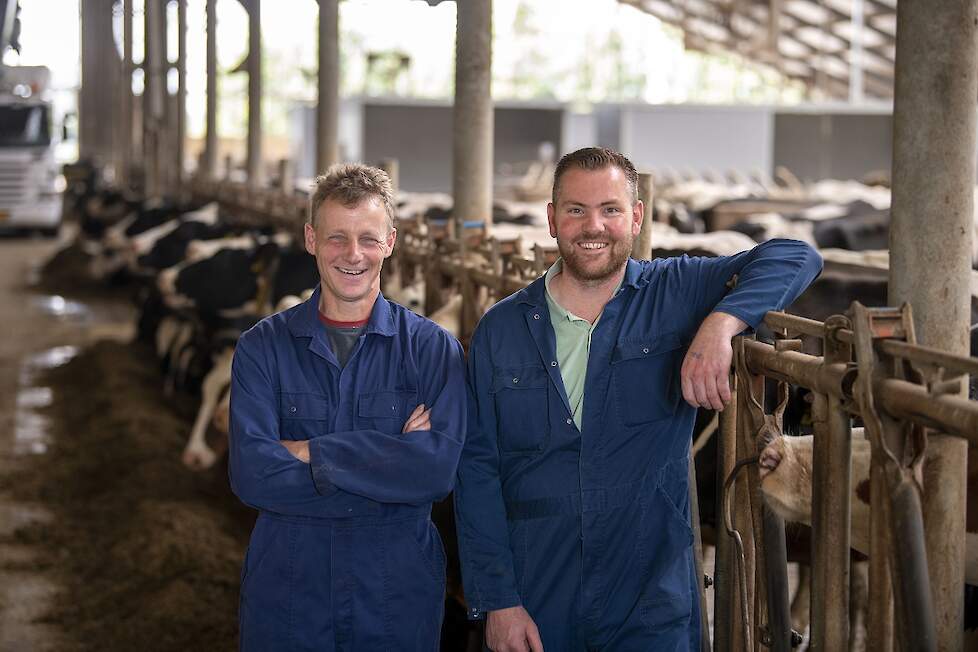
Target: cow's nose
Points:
(769, 460)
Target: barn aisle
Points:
(32, 323)
(106, 541)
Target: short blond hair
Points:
(350, 184)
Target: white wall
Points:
(698, 137)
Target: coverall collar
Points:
(304, 322)
(535, 294)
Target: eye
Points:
(369, 241)
(575, 210)
(337, 238)
(613, 210)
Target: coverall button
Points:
(536, 316)
(292, 409)
(516, 380)
(553, 363)
(645, 350)
(569, 421)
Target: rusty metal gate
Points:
(871, 368)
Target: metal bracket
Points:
(766, 638)
(765, 427)
(904, 446)
(897, 454)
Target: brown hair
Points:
(596, 158)
(350, 184)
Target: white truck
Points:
(30, 178)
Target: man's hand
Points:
(420, 419)
(512, 630)
(300, 449)
(707, 364)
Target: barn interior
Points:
(154, 152)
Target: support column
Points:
(100, 65)
(125, 145)
(255, 169)
(930, 248)
(210, 137)
(328, 105)
(642, 246)
(473, 120)
(153, 92)
(181, 125)
(856, 54)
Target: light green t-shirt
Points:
(573, 336)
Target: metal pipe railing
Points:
(951, 414)
(840, 391)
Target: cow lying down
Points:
(786, 484)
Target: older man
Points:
(347, 417)
(572, 499)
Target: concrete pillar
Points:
(328, 104)
(642, 246)
(97, 110)
(125, 145)
(153, 92)
(930, 247)
(255, 169)
(209, 159)
(774, 27)
(856, 54)
(286, 180)
(393, 169)
(181, 122)
(473, 126)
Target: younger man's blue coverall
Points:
(589, 529)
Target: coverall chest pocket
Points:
(522, 408)
(386, 410)
(302, 415)
(646, 377)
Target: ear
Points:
(391, 239)
(309, 238)
(638, 216)
(755, 409)
(782, 404)
(552, 219)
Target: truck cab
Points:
(30, 179)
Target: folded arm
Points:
(417, 466)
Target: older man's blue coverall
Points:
(344, 556)
(589, 529)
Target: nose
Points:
(592, 221)
(354, 251)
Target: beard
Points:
(576, 262)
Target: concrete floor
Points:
(37, 330)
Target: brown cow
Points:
(786, 483)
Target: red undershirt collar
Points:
(342, 324)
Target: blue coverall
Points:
(344, 556)
(589, 529)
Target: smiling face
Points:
(350, 245)
(594, 222)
